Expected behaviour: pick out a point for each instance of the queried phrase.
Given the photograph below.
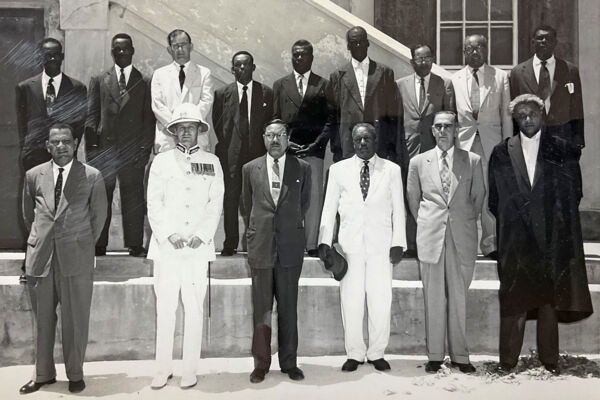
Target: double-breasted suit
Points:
(60, 260)
(446, 243)
(275, 236)
(119, 135)
(233, 149)
(34, 121)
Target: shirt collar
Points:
(360, 162)
(305, 75)
(55, 79)
(418, 78)
(449, 152)
(360, 64)
(241, 87)
(280, 160)
(537, 62)
(480, 69)
(535, 138)
(185, 66)
(185, 150)
(126, 70)
(66, 168)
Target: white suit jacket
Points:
(167, 94)
(369, 226)
(494, 122)
(180, 201)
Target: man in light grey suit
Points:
(64, 208)
(445, 193)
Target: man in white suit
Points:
(445, 192)
(181, 81)
(482, 96)
(366, 191)
(185, 200)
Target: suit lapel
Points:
(134, 79)
(65, 87)
(112, 82)
(190, 75)
(434, 170)
(73, 181)
(312, 88)
(458, 167)
(38, 92)
(429, 93)
(463, 78)
(516, 155)
(232, 103)
(349, 79)
(560, 73)
(47, 186)
(264, 176)
(373, 79)
(529, 77)
(289, 174)
(376, 176)
(488, 81)
(291, 89)
(255, 106)
(410, 89)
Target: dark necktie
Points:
(445, 175)
(244, 124)
(300, 87)
(422, 94)
(50, 95)
(58, 188)
(475, 94)
(544, 84)
(276, 181)
(365, 179)
(122, 84)
(181, 77)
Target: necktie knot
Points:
(366, 163)
(60, 170)
(51, 81)
(122, 71)
(444, 154)
(181, 67)
(244, 88)
(544, 62)
(276, 161)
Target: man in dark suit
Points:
(64, 208)
(239, 114)
(422, 95)
(541, 265)
(557, 83)
(363, 91)
(119, 134)
(275, 197)
(299, 99)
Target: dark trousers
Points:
(131, 189)
(281, 283)
(512, 329)
(231, 205)
(74, 293)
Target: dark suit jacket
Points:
(124, 123)
(275, 233)
(380, 109)
(226, 114)
(565, 117)
(33, 121)
(306, 117)
(69, 231)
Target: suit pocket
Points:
(32, 241)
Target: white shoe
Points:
(188, 381)
(160, 380)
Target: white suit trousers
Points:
(370, 277)
(188, 275)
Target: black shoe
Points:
(32, 386)
(76, 386)
(410, 253)
(228, 252)
(351, 365)
(138, 251)
(100, 251)
(492, 255)
(258, 375)
(467, 368)
(23, 280)
(433, 366)
(504, 369)
(295, 373)
(380, 364)
(313, 253)
(552, 368)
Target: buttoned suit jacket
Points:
(167, 94)
(226, 116)
(68, 232)
(494, 121)
(275, 232)
(417, 122)
(123, 123)
(33, 121)
(435, 213)
(370, 226)
(305, 116)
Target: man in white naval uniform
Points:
(185, 200)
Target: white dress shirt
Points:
(126, 71)
(471, 81)
(361, 71)
(56, 82)
(551, 66)
(240, 89)
(530, 152)
(281, 162)
(65, 174)
(418, 85)
(449, 158)
(305, 77)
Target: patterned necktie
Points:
(122, 84)
(422, 94)
(365, 179)
(300, 87)
(181, 76)
(445, 175)
(58, 188)
(360, 79)
(50, 96)
(544, 83)
(244, 123)
(276, 182)
(475, 94)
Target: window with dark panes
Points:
(494, 19)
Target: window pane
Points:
(451, 10)
(451, 46)
(501, 46)
(501, 10)
(477, 10)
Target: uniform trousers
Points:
(173, 275)
(445, 288)
(312, 218)
(368, 276)
(74, 294)
(488, 221)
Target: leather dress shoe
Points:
(138, 251)
(467, 368)
(188, 381)
(313, 253)
(410, 253)
(351, 365)
(258, 375)
(552, 368)
(76, 386)
(433, 366)
(100, 251)
(504, 369)
(294, 373)
(380, 364)
(32, 386)
(228, 252)
(160, 381)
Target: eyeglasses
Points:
(180, 46)
(271, 136)
(471, 49)
(422, 60)
(440, 127)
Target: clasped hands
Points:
(302, 151)
(179, 243)
(396, 253)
